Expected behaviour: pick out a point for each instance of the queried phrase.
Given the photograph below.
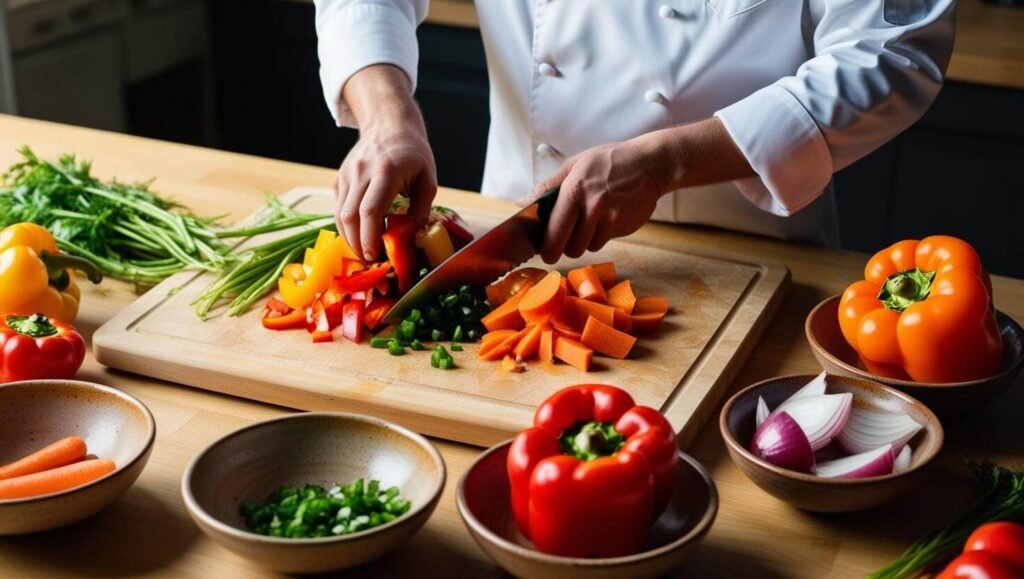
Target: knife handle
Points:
(546, 204)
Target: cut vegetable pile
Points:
(794, 434)
(546, 316)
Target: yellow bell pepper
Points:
(35, 277)
(324, 262)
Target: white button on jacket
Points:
(804, 87)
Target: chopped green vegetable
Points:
(440, 358)
(395, 349)
(456, 347)
(1000, 497)
(417, 345)
(312, 512)
(379, 342)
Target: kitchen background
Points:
(242, 75)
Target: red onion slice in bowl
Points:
(821, 417)
(762, 412)
(877, 462)
(815, 387)
(782, 442)
(869, 429)
(903, 459)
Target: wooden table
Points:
(148, 532)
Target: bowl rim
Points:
(732, 443)
(701, 526)
(107, 390)
(194, 508)
(1002, 319)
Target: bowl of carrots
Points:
(69, 449)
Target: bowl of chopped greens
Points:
(314, 492)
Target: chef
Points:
(730, 113)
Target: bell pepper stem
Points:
(590, 440)
(57, 265)
(34, 326)
(906, 288)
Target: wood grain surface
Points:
(718, 306)
(147, 532)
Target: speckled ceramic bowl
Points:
(113, 424)
(946, 400)
(484, 501)
(828, 495)
(321, 448)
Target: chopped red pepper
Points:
(363, 280)
(592, 461)
(293, 320)
(352, 322)
(376, 311)
(398, 244)
(321, 337)
(351, 266)
(276, 305)
(333, 302)
(316, 318)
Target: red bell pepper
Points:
(352, 321)
(398, 245)
(333, 302)
(293, 320)
(376, 311)
(457, 229)
(592, 474)
(36, 347)
(993, 551)
(275, 305)
(316, 318)
(363, 280)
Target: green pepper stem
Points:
(34, 326)
(590, 440)
(906, 288)
(57, 265)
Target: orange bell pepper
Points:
(924, 312)
(324, 262)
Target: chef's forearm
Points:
(696, 154)
(380, 97)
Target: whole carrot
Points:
(60, 453)
(55, 480)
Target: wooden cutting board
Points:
(720, 305)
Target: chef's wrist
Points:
(381, 100)
(696, 154)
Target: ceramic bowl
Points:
(323, 448)
(483, 499)
(113, 424)
(828, 495)
(946, 400)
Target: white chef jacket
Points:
(804, 87)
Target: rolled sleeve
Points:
(783, 145)
(354, 36)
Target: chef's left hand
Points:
(606, 192)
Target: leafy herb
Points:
(1000, 497)
(313, 512)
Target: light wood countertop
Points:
(989, 45)
(147, 532)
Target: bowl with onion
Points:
(946, 399)
(830, 443)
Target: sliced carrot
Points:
(546, 352)
(567, 331)
(651, 305)
(621, 296)
(55, 480)
(606, 340)
(63, 452)
(493, 339)
(646, 322)
(587, 284)
(606, 273)
(506, 316)
(575, 312)
(504, 347)
(573, 353)
(528, 346)
(509, 364)
(623, 322)
(542, 300)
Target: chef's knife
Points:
(484, 259)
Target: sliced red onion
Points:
(821, 417)
(815, 387)
(870, 429)
(903, 459)
(762, 412)
(782, 442)
(877, 462)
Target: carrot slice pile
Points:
(570, 319)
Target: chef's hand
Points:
(611, 190)
(391, 157)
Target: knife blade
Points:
(484, 259)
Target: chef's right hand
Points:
(391, 157)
